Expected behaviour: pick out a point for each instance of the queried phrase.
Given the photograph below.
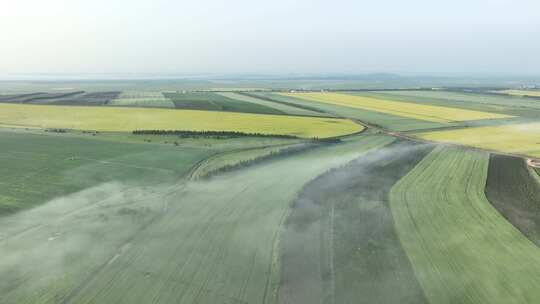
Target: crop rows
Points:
(284, 108)
(36, 168)
(461, 249)
(515, 192)
(142, 99)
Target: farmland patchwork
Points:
(267, 197)
(406, 109)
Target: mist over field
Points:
(75, 240)
(269, 152)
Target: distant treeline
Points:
(214, 134)
(53, 96)
(57, 130)
(18, 96)
(77, 98)
(328, 140)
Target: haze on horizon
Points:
(240, 36)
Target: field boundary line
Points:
(123, 247)
(196, 167)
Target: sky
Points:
(187, 37)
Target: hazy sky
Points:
(279, 36)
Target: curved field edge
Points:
(236, 160)
(461, 249)
(129, 119)
(204, 242)
(513, 189)
(339, 244)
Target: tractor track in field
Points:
(125, 246)
(331, 254)
(66, 215)
(120, 250)
(273, 266)
(106, 162)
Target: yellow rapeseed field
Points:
(518, 138)
(129, 119)
(398, 108)
(535, 93)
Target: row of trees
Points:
(182, 133)
(274, 155)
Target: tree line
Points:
(182, 133)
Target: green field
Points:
(39, 167)
(514, 191)
(461, 249)
(211, 101)
(142, 99)
(202, 242)
(284, 108)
